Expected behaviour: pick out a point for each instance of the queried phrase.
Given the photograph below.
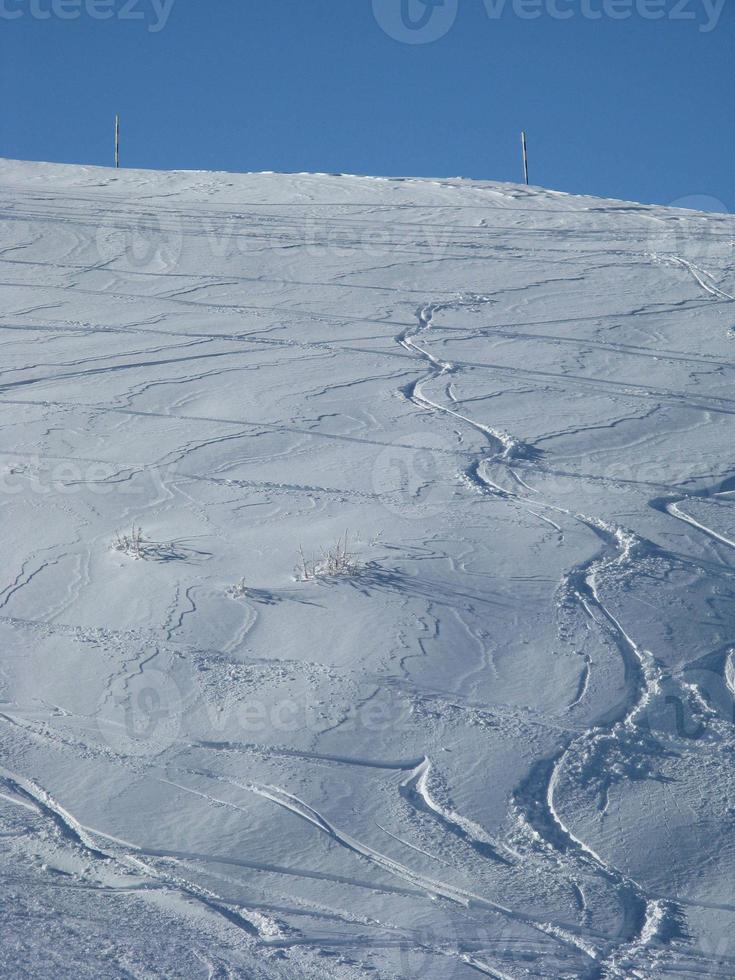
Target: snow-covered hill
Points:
(501, 741)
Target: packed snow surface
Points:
(368, 562)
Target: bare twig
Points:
(331, 563)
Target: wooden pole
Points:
(117, 142)
(525, 156)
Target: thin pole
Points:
(525, 156)
(117, 142)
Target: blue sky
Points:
(615, 103)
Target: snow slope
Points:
(504, 744)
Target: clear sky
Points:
(615, 102)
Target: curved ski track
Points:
(540, 824)
(646, 918)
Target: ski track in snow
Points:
(503, 443)
(644, 916)
(432, 886)
(230, 423)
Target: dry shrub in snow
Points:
(330, 563)
(135, 545)
(132, 544)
